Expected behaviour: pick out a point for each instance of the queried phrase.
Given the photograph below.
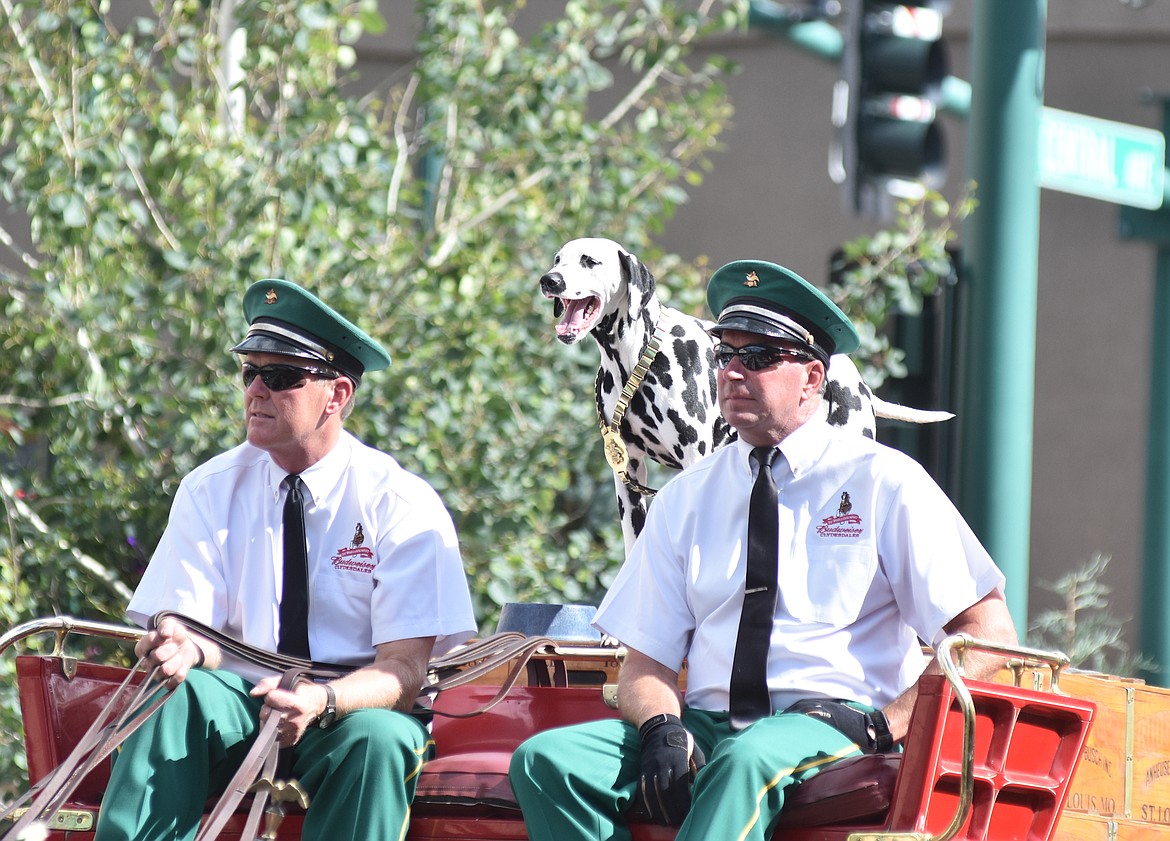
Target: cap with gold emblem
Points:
(288, 320)
(756, 296)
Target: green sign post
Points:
(1153, 226)
(1102, 159)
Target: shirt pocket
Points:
(345, 584)
(829, 584)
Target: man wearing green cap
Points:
(795, 572)
(305, 541)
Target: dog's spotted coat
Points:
(600, 289)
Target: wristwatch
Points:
(329, 715)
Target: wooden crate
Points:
(1074, 826)
(1124, 771)
(1103, 781)
(1151, 755)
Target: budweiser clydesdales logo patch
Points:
(844, 523)
(356, 557)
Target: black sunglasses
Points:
(283, 377)
(757, 357)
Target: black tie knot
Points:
(764, 456)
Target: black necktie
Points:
(294, 601)
(750, 699)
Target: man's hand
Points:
(670, 759)
(297, 708)
(869, 731)
(172, 648)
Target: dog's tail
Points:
(896, 411)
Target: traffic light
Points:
(887, 143)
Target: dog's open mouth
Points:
(579, 316)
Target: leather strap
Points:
(269, 660)
(489, 654)
(464, 665)
(256, 774)
(101, 739)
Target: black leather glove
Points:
(670, 759)
(869, 731)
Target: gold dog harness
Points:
(616, 453)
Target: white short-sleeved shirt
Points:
(873, 558)
(384, 561)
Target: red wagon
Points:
(983, 760)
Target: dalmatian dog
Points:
(598, 288)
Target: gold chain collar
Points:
(615, 448)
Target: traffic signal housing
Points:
(887, 143)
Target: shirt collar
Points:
(805, 445)
(320, 477)
(800, 450)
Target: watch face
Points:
(326, 719)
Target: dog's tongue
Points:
(571, 323)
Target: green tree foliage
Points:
(891, 271)
(1084, 627)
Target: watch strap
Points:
(329, 715)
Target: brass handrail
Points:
(63, 626)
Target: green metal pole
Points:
(1155, 630)
(1001, 245)
(1154, 226)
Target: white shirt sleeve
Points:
(183, 574)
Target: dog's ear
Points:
(639, 283)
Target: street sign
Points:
(1102, 159)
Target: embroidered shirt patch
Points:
(844, 523)
(356, 557)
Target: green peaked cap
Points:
(288, 320)
(756, 296)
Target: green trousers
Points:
(360, 774)
(575, 783)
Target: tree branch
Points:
(26, 258)
(51, 403)
(39, 75)
(155, 212)
(402, 147)
(617, 113)
(104, 573)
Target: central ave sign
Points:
(1102, 159)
